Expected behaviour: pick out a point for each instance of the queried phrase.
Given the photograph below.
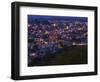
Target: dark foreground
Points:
(70, 56)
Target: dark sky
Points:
(68, 18)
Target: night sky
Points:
(45, 17)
